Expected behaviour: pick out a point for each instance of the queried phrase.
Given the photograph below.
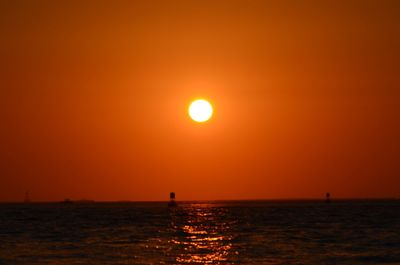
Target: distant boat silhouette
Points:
(328, 197)
(67, 201)
(172, 202)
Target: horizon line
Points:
(205, 200)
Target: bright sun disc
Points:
(200, 110)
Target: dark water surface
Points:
(264, 232)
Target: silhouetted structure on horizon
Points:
(328, 197)
(172, 202)
(67, 201)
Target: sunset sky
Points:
(94, 98)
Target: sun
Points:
(200, 110)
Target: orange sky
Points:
(93, 99)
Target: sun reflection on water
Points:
(200, 236)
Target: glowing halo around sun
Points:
(200, 110)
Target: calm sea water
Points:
(343, 232)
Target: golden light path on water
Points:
(224, 233)
(200, 236)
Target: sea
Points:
(214, 232)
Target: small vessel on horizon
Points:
(67, 201)
(82, 201)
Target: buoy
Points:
(328, 197)
(172, 202)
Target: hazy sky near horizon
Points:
(94, 97)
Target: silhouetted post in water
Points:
(328, 197)
(172, 201)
